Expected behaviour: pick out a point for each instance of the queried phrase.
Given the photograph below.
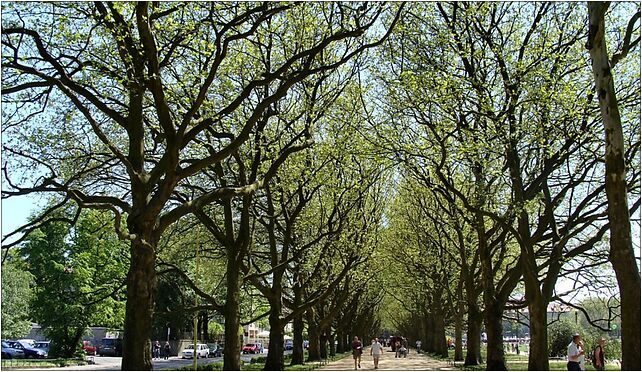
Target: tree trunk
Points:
(440, 337)
(297, 351)
(333, 349)
(232, 348)
(314, 351)
(323, 345)
(538, 346)
(473, 347)
(141, 288)
(495, 360)
(341, 343)
(459, 354)
(274, 361)
(621, 255)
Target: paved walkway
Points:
(388, 362)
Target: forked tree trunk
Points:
(141, 288)
(621, 255)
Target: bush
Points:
(560, 335)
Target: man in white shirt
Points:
(376, 350)
(574, 352)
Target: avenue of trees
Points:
(428, 168)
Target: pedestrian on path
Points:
(357, 350)
(598, 355)
(574, 353)
(376, 351)
(167, 349)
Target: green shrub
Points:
(560, 335)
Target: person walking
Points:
(357, 350)
(156, 350)
(598, 354)
(376, 350)
(167, 349)
(573, 354)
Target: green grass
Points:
(515, 362)
(41, 363)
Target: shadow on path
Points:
(388, 362)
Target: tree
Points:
(78, 275)
(16, 294)
(141, 97)
(621, 255)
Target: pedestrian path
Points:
(388, 362)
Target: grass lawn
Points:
(516, 362)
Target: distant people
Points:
(418, 343)
(357, 350)
(573, 353)
(376, 350)
(166, 350)
(397, 347)
(598, 355)
(156, 350)
(517, 348)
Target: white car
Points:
(202, 351)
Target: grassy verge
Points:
(41, 363)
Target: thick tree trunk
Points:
(341, 343)
(274, 360)
(297, 351)
(323, 345)
(141, 288)
(440, 337)
(232, 348)
(333, 350)
(297, 324)
(473, 332)
(621, 255)
(538, 346)
(495, 360)
(314, 351)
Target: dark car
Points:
(289, 345)
(29, 349)
(9, 352)
(216, 350)
(42, 345)
(111, 347)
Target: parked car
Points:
(216, 350)
(9, 352)
(29, 349)
(89, 348)
(111, 347)
(254, 348)
(43, 345)
(202, 351)
(289, 345)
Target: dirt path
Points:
(388, 362)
